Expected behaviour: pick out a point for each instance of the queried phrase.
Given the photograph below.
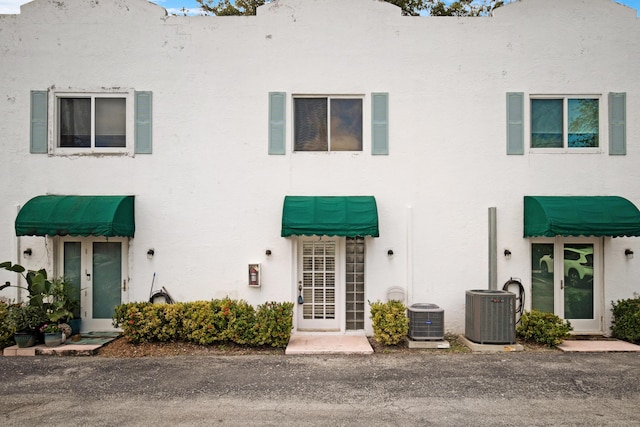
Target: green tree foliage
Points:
(408, 7)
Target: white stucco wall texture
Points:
(209, 198)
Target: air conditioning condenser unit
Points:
(490, 316)
(426, 322)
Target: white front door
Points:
(97, 268)
(567, 281)
(319, 285)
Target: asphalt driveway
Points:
(414, 389)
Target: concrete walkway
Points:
(328, 344)
(321, 343)
(87, 345)
(600, 345)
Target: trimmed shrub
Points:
(207, 322)
(203, 322)
(241, 320)
(626, 320)
(274, 321)
(6, 334)
(390, 321)
(133, 319)
(543, 328)
(172, 317)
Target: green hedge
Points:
(543, 328)
(390, 321)
(6, 334)
(207, 322)
(626, 320)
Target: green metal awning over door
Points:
(348, 216)
(108, 216)
(552, 216)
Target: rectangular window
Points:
(86, 122)
(327, 124)
(565, 123)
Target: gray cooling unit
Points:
(490, 316)
(426, 322)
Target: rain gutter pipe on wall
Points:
(409, 254)
(493, 249)
(16, 245)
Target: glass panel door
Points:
(580, 304)
(542, 277)
(96, 268)
(565, 280)
(107, 275)
(72, 270)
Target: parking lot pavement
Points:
(553, 388)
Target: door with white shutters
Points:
(319, 285)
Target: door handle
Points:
(561, 284)
(86, 272)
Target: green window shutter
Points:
(143, 122)
(617, 123)
(515, 123)
(380, 123)
(39, 107)
(277, 122)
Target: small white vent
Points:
(426, 322)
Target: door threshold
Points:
(582, 335)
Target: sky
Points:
(175, 6)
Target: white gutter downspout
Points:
(409, 254)
(16, 245)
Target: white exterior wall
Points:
(209, 198)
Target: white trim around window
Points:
(120, 126)
(330, 123)
(564, 101)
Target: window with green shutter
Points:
(380, 123)
(91, 122)
(277, 122)
(617, 123)
(515, 123)
(39, 113)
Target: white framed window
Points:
(566, 123)
(327, 123)
(88, 123)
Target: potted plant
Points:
(24, 320)
(57, 297)
(59, 301)
(52, 334)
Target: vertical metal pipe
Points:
(18, 251)
(409, 255)
(493, 249)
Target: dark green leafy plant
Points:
(24, 318)
(6, 334)
(543, 328)
(53, 296)
(207, 322)
(626, 320)
(390, 321)
(274, 321)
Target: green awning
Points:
(330, 216)
(108, 216)
(552, 216)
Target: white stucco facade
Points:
(209, 197)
